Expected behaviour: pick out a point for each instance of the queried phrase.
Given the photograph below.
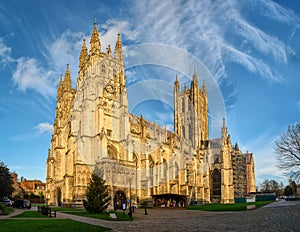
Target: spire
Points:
(119, 51)
(224, 132)
(236, 147)
(67, 79)
(84, 56)
(95, 45)
(60, 86)
(176, 84)
(195, 77)
(204, 90)
(118, 43)
(108, 50)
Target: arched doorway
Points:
(119, 198)
(59, 197)
(216, 185)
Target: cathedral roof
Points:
(216, 143)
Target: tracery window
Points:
(103, 68)
(216, 180)
(165, 168)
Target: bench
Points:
(45, 210)
(249, 207)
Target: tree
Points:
(268, 186)
(288, 190)
(287, 149)
(6, 181)
(97, 195)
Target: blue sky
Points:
(251, 48)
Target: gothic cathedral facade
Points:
(93, 131)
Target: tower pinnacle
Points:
(118, 43)
(84, 56)
(67, 79)
(95, 45)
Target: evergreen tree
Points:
(6, 181)
(97, 198)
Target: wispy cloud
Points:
(44, 127)
(29, 75)
(111, 28)
(274, 11)
(65, 50)
(265, 158)
(173, 22)
(5, 54)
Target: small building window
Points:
(103, 68)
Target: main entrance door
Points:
(119, 198)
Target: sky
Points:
(248, 53)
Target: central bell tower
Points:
(191, 112)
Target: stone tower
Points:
(191, 112)
(100, 106)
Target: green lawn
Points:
(228, 207)
(84, 213)
(57, 225)
(61, 209)
(7, 210)
(105, 215)
(30, 214)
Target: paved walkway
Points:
(278, 216)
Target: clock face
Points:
(110, 88)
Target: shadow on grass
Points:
(57, 225)
(104, 215)
(30, 214)
(228, 207)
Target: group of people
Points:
(169, 203)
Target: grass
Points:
(228, 207)
(57, 225)
(82, 212)
(6, 211)
(61, 209)
(30, 214)
(104, 215)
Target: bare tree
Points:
(287, 149)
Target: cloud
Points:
(274, 11)
(65, 50)
(29, 75)
(217, 32)
(5, 54)
(44, 127)
(265, 158)
(109, 30)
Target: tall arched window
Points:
(165, 168)
(112, 152)
(151, 173)
(176, 171)
(103, 68)
(216, 182)
(78, 179)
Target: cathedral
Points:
(139, 160)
